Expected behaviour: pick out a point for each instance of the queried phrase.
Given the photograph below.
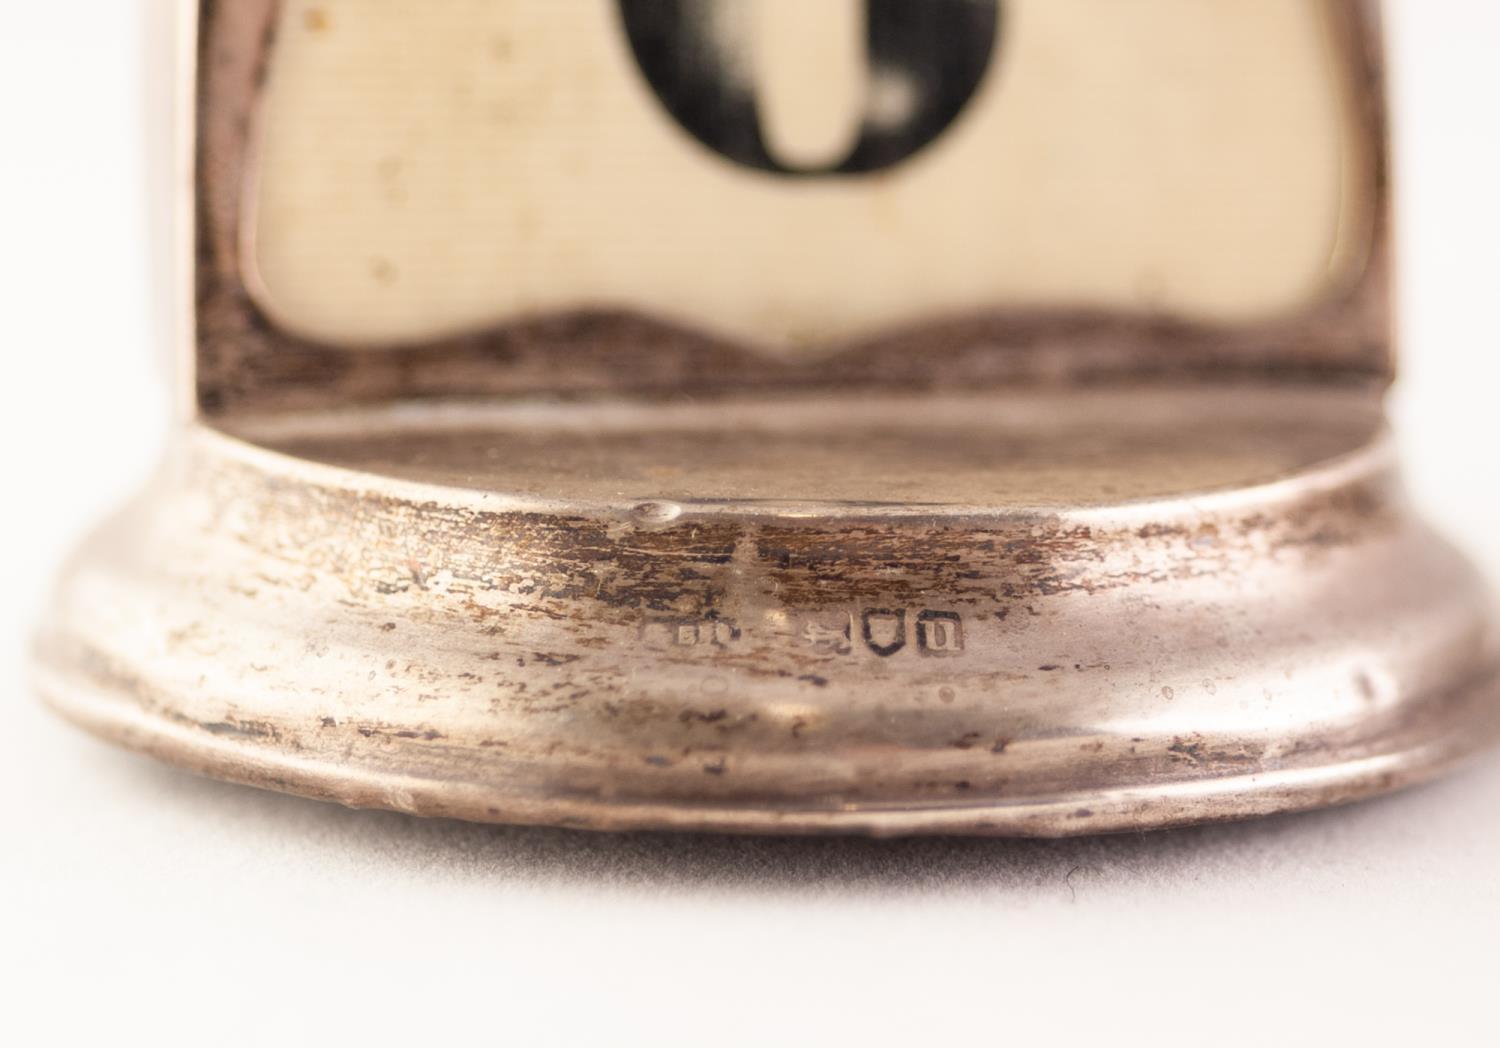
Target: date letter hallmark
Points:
(940, 633)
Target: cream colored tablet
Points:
(798, 175)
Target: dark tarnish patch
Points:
(547, 659)
(377, 731)
(243, 729)
(1194, 751)
(1190, 751)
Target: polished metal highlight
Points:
(1001, 567)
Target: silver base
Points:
(1040, 614)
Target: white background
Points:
(139, 905)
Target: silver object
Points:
(1022, 570)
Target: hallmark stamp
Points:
(884, 631)
(940, 633)
(829, 637)
(665, 634)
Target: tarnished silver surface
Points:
(1040, 614)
